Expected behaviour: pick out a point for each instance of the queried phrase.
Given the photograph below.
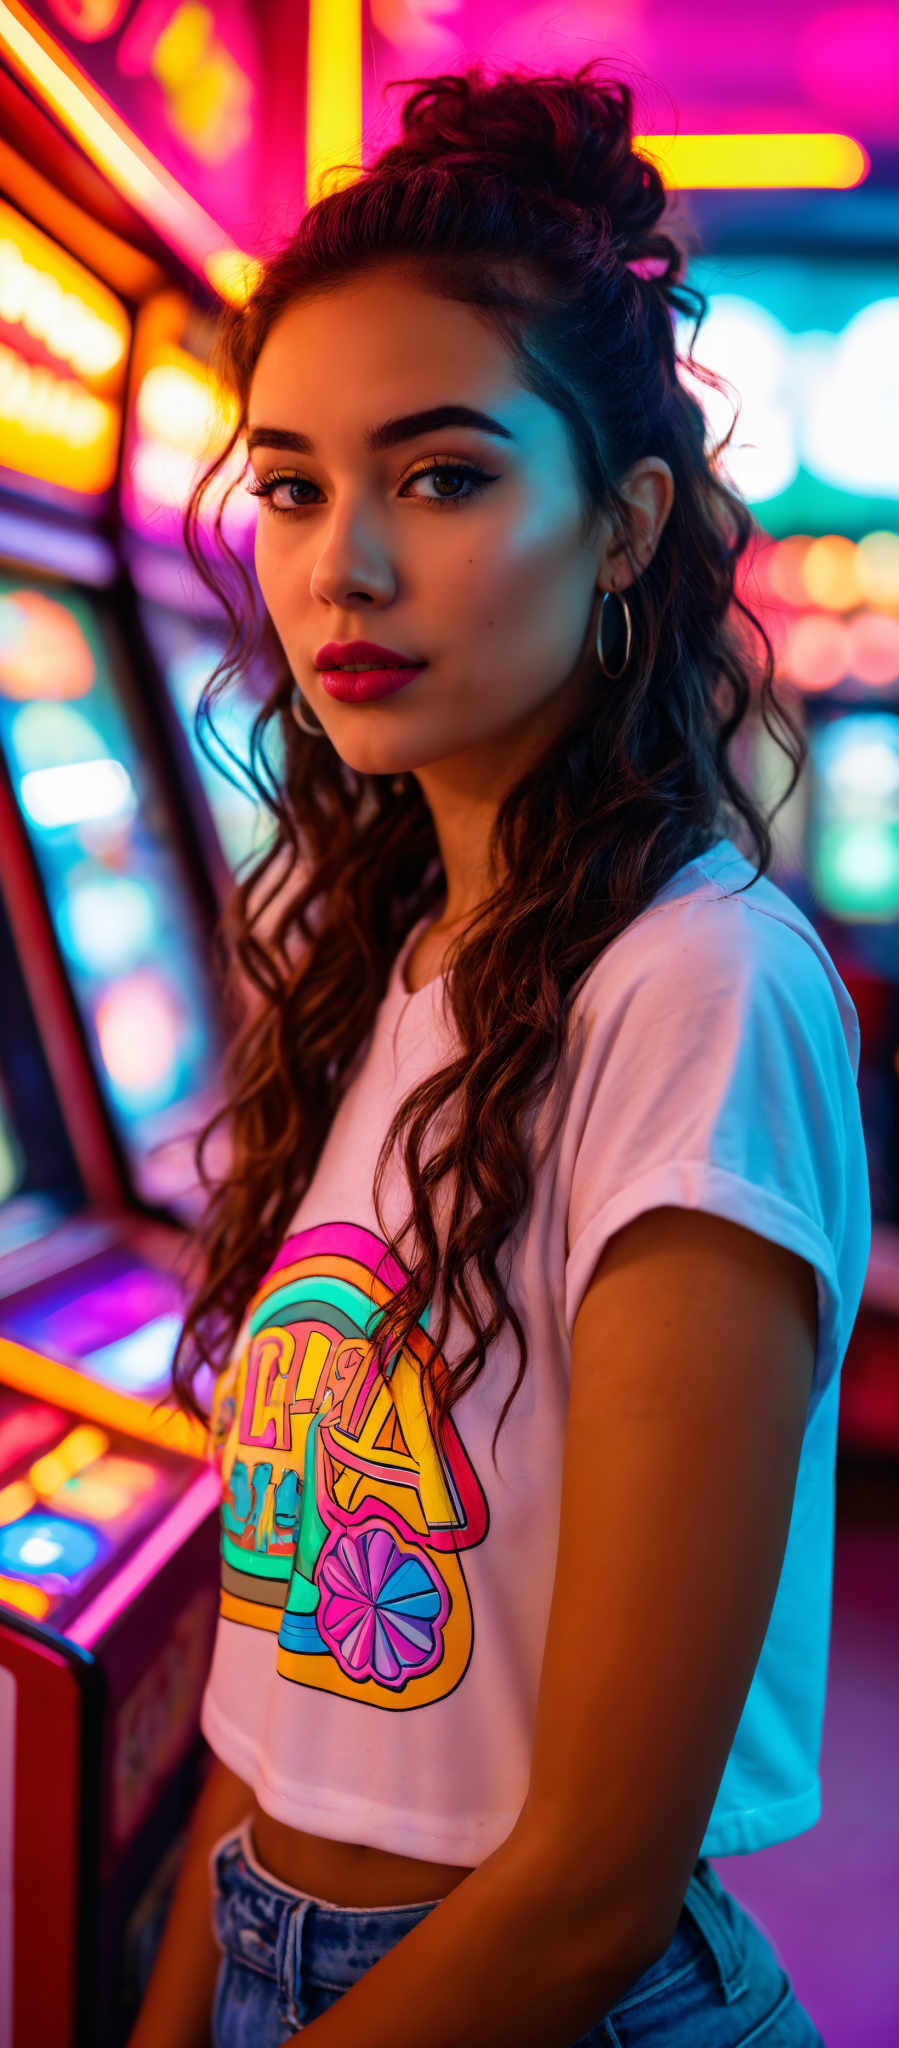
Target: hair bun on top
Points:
(563, 138)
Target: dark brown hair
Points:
(523, 197)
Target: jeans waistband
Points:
(707, 1903)
(298, 1940)
(291, 1936)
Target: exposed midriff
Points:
(347, 1873)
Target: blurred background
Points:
(152, 152)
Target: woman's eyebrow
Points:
(405, 428)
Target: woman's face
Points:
(494, 589)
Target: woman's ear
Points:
(649, 491)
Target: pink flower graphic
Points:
(381, 1609)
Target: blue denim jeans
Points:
(287, 1957)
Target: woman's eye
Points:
(289, 481)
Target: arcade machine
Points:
(109, 1054)
(103, 877)
(108, 1597)
(108, 1567)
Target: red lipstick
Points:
(335, 653)
(388, 670)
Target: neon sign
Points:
(64, 341)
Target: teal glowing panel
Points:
(809, 346)
(101, 830)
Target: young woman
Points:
(479, 1722)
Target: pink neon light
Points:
(204, 1495)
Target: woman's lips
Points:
(363, 686)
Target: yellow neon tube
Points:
(753, 162)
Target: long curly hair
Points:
(525, 198)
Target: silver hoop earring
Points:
(615, 636)
(297, 702)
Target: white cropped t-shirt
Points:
(384, 1607)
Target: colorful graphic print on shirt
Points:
(342, 1520)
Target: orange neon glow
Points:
(785, 569)
(60, 416)
(179, 416)
(830, 572)
(126, 269)
(878, 557)
(81, 1447)
(108, 1490)
(60, 305)
(63, 1385)
(43, 651)
(54, 429)
(180, 402)
(28, 1599)
(232, 274)
(15, 1501)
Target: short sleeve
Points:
(715, 1072)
